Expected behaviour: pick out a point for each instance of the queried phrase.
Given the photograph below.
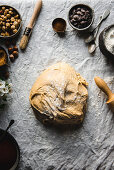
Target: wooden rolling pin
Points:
(103, 86)
(28, 29)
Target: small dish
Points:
(59, 25)
(106, 42)
(5, 19)
(81, 17)
(9, 152)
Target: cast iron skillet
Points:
(11, 138)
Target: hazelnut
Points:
(7, 28)
(15, 48)
(3, 23)
(16, 16)
(19, 21)
(1, 12)
(12, 19)
(2, 16)
(15, 23)
(11, 56)
(8, 20)
(15, 53)
(7, 34)
(11, 9)
(8, 16)
(7, 25)
(14, 31)
(5, 13)
(7, 10)
(11, 23)
(10, 12)
(5, 18)
(3, 8)
(2, 34)
(10, 50)
(13, 27)
(1, 19)
(3, 28)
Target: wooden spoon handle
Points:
(37, 8)
(103, 86)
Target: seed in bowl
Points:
(15, 30)
(9, 21)
(80, 16)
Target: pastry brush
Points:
(28, 29)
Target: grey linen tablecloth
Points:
(89, 147)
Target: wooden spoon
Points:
(103, 86)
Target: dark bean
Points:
(83, 22)
(82, 10)
(87, 12)
(75, 24)
(83, 17)
(82, 13)
(74, 11)
(72, 20)
(76, 17)
(79, 18)
(79, 13)
(71, 16)
(86, 17)
(78, 9)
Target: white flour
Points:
(109, 40)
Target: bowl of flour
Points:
(106, 41)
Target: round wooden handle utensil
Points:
(37, 9)
(103, 86)
(28, 30)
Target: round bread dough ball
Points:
(59, 95)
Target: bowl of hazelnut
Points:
(81, 17)
(10, 22)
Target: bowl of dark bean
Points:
(81, 17)
(10, 22)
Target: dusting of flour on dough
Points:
(59, 95)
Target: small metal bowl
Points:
(20, 26)
(78, 6)
(11, 139)
(59, 25)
